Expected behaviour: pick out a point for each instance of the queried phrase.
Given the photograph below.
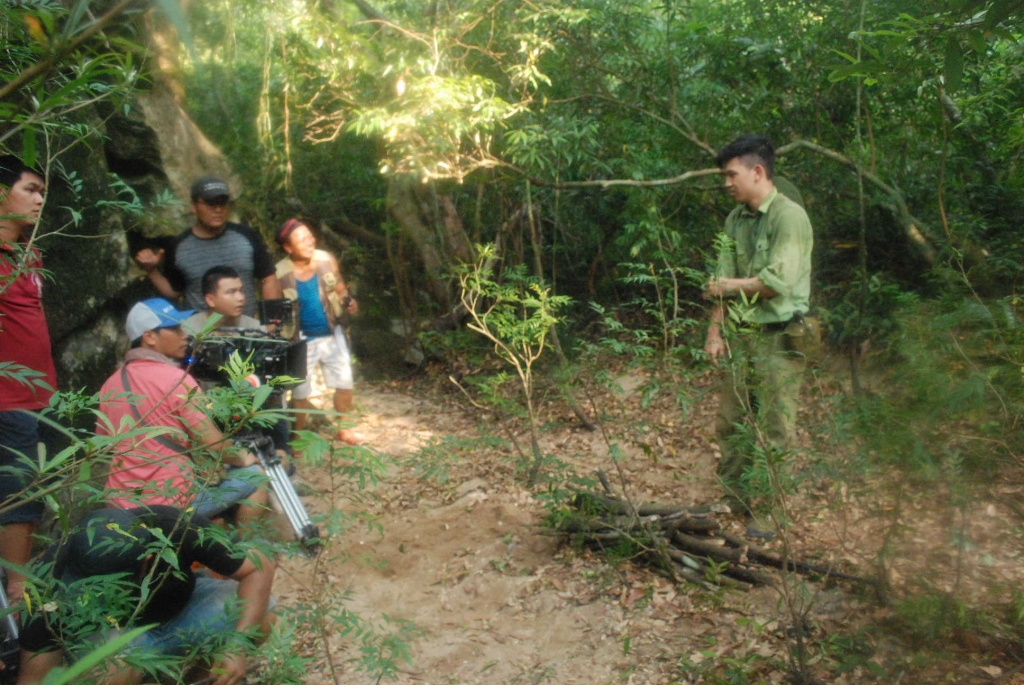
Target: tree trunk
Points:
(435, 228)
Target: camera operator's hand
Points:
(248, 458)
(149, 259)
(352, 307)
(229, 669)
(241, 458)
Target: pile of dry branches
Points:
(682, 544)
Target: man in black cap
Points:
(212, 241)
(125, 568)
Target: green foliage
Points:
(62, 676)
(312, 101)
(868, 314)
(666, 277)
(958, 364)
(739, 669)
(854, 651)
(47, 33)
(930, 618)
(517, 315)
(770, 473)
(284, 665)
(24, 375)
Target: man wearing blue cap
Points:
(120, 569)
(212, 241)
(152, 391)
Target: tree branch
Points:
(43, 66)
(689, 135)
(369, 11)
(917, 232)
(612, 183)
(345, 227)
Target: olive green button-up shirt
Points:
(774, 244)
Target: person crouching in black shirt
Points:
(123, 568)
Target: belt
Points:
(779, 326)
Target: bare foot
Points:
(349, 437)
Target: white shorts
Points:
(330, 354)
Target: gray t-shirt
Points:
(197, 321)
(239, 246)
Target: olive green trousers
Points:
(759, 390)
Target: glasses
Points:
(216, 202)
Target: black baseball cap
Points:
(210, 188)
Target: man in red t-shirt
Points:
(27, 376)
(152, 391)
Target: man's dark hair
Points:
(752, 148)
(213, 277)
(11, 169)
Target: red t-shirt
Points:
(24, 335)
(144, 471)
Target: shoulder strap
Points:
(162, 439)
(286, 274)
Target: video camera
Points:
(272, 355)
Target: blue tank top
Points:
(312, 320)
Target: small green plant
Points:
(666, 275)
(933, 617)
(283, 665)
(516, 315)
(708, 667)
(853, 651)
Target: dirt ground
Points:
(496, 600)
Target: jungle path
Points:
(498, 601)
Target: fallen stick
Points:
(763, 556)
(615, 505)
(725, 581)
(705, 548)
(691, 525)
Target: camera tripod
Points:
(305, 530)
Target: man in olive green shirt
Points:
(765, 276)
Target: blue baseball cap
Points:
(152, 314)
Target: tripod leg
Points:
(294, 510)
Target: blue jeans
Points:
(240, 483)
(209, 616)
(19, 442)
